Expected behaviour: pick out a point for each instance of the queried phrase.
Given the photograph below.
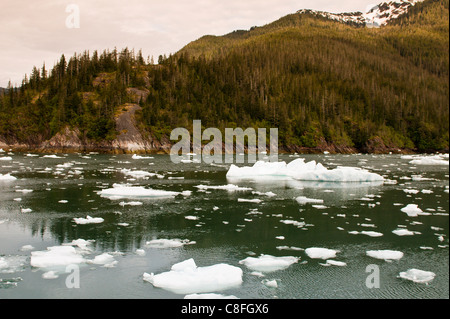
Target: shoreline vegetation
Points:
(326, 86)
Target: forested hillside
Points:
(322, 83)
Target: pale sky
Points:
(36, 31)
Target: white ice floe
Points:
(386, 254)
(405, 232)
(50, 275)
(63, 201)
(88, 220)
(413, 210)
(7, 177)
(27, 248)
(270, 283)
(331, 262)
(244, 200)
(135, 156)
(56, 256)
(371, 233)
(51, 156)
(321, 253)
(12, 263)
(106, 260)
(119, 191)
(299, 170)
(6, 158)
(26, 210)
(186, 278)
(305, 200)
(228, 187)
(134, 203)
(168, 243)
(190, 217)
(209, 296)
(430, 160)
(137, 174)
(417, 275)
(268, 263)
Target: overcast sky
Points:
(37, 31)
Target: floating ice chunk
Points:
(51, 156)
(371, 233)
(104, 259)
(63, 201)
(429, 160)
(332, 262)
(124, 191)
(298, 169)
(228, 187)
(88, 220)
(187, 278)
(190, 217)
(244, 200)
(280, 237)
(140, 252)
(24, 190)
(289, 248)
(168, 243)
(270, 283)
(135, 156)
(319, 206)
(6, 158)
(321, 253)
(411, 191)
(26, 248)
(7, 177)
(26, 210)
(292, 222)
(209, 296)
(268, 263)
(137, 174)
(268, 194)
(387, 255)
(412, 210)
(417, 275)
(131, 204)
(50, 275)
(404, 232)
(56, 256)
(11, 264)
(81, 243)
(305, 200)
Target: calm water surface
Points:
(224, 230)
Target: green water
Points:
(226, 234)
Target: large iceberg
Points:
(186, 278)
(299, 170)
(126, 191)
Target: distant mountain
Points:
(326, 86)
(375, 16)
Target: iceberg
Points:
(405, 232)
(268, 263)
(88, 220)
(413, 210)
(417, 275)
(119, 191)
(228, 187)
(387, 255)
(430, 160)
(6, 158)
(137, 174)
(305, 200)
(321, 253)
(186, 278)
(7, 177)
(299, 170)
(56, 256)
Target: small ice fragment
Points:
(385, 254)
(417, 275)
(268, 263)
(88, 220)
(321, 253)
